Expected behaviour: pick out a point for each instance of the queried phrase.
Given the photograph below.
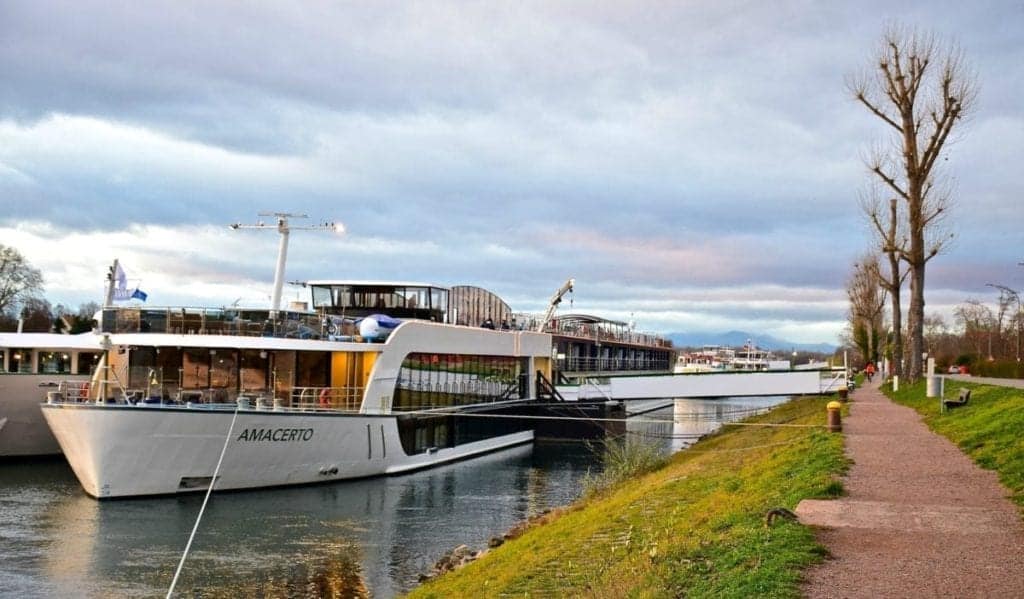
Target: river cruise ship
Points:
(32, 364)
(374, 380)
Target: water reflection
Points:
(679, 423)
(344, 540)
(360, 538)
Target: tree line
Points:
(21, 299)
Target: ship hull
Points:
(130, 451)
(23, 430)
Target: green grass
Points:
(989, 429)
(694, 527)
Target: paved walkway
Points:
(920, 519)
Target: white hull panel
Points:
(23, 430)
(135, 450)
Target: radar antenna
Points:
(284, 227)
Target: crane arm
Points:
(553, 304)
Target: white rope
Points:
(637, 420)
(202, 509)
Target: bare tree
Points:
(891, 242)
(867, 301)
(19, 280)
(976, 321)
(935, 333)
(920, 88)
(37, 315)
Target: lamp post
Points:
(1015, 295)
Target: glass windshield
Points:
(322, 297)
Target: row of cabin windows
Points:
(420, 434)
(49, 362)
(231, 370)
(439, 380)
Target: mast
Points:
(108, 302)
(284, 227)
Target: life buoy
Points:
(325, 398)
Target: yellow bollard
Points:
(835, 424)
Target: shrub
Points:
(624, 458)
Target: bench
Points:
(965, 395)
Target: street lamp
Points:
(1015, 295)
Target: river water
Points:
(369, 537)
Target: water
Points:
(368, 537)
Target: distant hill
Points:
(739, 338)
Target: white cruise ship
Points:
(31, 365)
(298, 397)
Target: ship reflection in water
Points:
(359, 538)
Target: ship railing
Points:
(69, 392)
(214, 321)
(328, 399)
(594, 331)
(590, 364)
(632, 338)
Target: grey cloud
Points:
(683, 125)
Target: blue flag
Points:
(139, 294)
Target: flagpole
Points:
(111, 278)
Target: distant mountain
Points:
(739, 338)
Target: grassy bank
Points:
(694, 527)
(988, 429)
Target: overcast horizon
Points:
(694, 166)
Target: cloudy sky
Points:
(693, 164)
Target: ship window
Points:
(195, 369)
(254, 370)
(141, 364)
(20, 361)
(312, 369)
(87, 361)
(436, 380)
(54, 362)
(223, 369)
(418, 434)
(322, 297)
(439, 300)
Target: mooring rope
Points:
(589, 419)
(199, 517)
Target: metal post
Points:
(835, 424)
(284, 228)
(282, 257)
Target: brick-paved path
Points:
(920, 518)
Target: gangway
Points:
(709, 385)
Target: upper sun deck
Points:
(213, 321)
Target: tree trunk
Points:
(897, 325)
(915, 319)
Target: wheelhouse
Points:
(399, 300)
